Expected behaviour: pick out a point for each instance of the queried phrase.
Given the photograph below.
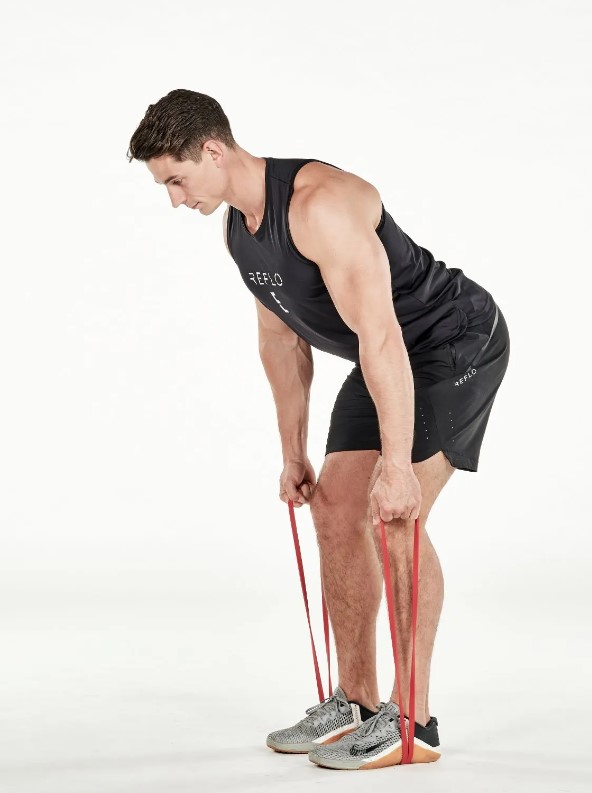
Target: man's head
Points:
(184, 139)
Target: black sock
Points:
(365, 712)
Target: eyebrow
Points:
(166, 181)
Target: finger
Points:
(300, 499)
(306, 490)
(292, 491)
(386, 515)
(285, 495)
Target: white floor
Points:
(150, 694)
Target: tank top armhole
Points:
(291, 242)
(229, 220)
(380, 226)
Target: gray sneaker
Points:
(324, 723)
(377, 743)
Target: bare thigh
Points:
(342, 485)
(347, 478)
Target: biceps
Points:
(271, 325)
(362, 293)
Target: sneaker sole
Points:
(422, 753)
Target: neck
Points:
(246, 186)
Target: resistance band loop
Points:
(406, 740)
(408, 743)
(325, 614)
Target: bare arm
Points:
(288, 364)
(287, 360)
(334, 228)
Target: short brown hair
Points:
(178, 125)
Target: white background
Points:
(153, 630)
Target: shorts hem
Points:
(363, 447)
(457, 460)
(460, 461)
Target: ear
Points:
(214, 149)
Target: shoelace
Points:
(380, 719)
(322, 704)
(406, 740)
(325, 713)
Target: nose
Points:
(177, 195)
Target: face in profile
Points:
(196, 185)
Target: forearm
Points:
(389, 379)
(289, 369)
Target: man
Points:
(330, 268)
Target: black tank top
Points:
(433, 303)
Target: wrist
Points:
(396, 463)
(300, 457)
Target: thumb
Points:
(292, 492)
(375, 511)
(306, 490)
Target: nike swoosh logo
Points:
(357, 749)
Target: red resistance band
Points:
(407, 740)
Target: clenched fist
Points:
(396, 494)
(297, 481)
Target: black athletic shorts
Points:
(455, 385)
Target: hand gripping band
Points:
(406, 740)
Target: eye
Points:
(177, 181)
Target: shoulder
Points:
(326, 200)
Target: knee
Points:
(333, 513)
(322, 504)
